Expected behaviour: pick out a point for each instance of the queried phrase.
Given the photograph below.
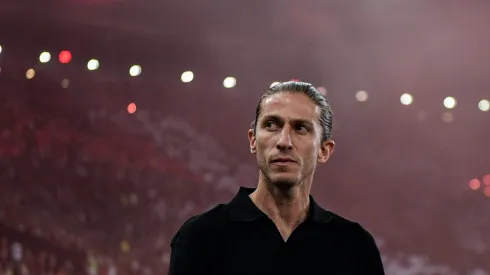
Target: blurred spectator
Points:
(92, 190)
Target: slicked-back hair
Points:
(325, 116)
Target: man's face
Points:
(287, 141)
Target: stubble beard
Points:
(283, 183)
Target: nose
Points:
(284, 142)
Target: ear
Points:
(325, 151)
(252, 140)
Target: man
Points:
(278, 228)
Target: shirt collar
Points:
(243, 209)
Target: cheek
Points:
(261, 150)
(264, 143)
(311, 153)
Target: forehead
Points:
(290, 105)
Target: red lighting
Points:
(475, 184)
(65, 57)
(131, 108)
(486, 191)
(486, 180)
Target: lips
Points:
(283, 160)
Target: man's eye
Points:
(270, 124)
(302, 129)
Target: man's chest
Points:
(265, 252)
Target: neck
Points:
(287, 206)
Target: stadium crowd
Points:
(98, 191)
(78, 181)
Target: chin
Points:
(284, 182)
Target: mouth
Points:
(283, 161)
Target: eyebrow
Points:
(295, 121)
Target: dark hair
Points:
(325, 117)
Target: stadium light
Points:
(486, 191)
(486, 180)
(187, 76)
(93, 64)
(406, 99)
(229, 82)
(474, 184)
(65, 83)
(30, 73)
(447, 117)
(449, 102)
(484, 105)
(44, 57)
(65, 57)
(131, 108)
(361, 96)
(135, 70)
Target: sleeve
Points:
(188, 255)
(370, 257)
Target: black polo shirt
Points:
(237, 238)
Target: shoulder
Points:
(353, 229)
(201, 227)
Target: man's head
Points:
(291, 133)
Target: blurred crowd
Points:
(26, 252)
(82, 182)
(95, 190)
